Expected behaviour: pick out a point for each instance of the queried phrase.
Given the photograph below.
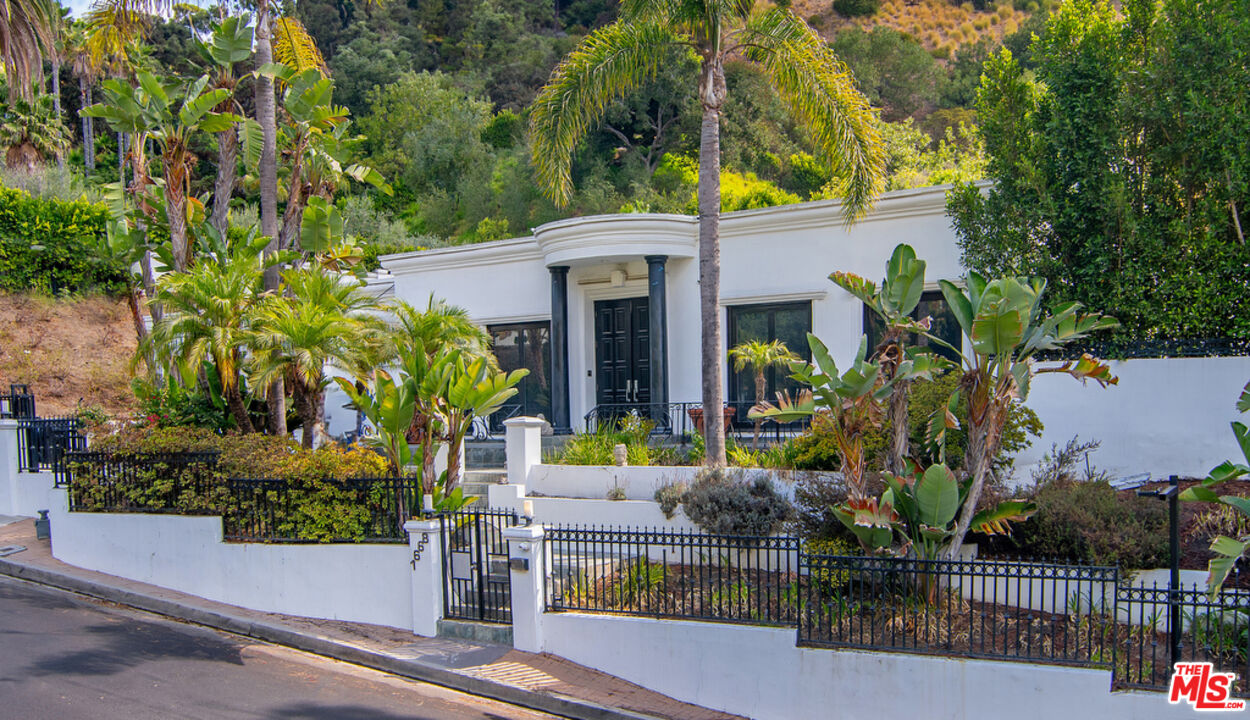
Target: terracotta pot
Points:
(696, 416)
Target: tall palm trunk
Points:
(88, 128)
(897, 416)
(761, 384)
(223, 187)
(266, 115)
(712, 96)
(56, 103)
(984, 436)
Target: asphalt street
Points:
(65, 657)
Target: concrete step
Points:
(475, 631)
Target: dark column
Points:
(560, 348)
(657, 311)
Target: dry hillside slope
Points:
(67, 350)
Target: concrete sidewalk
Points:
(541, 682)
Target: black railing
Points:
(185, 483)
(1004, 610)
(477, 584)
(674, 574)
(42, 441)
(1215, 630)
(18, 402)
(1126, 348)
(676, 419)
(325, 511)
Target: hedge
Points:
(52, 245)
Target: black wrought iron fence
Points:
(1208, 629)
(674, 574)
(1040, 612)
(477, 584)
(324, 510)
(42, 441)
(678, 419)
(18, 402)
(187, 483)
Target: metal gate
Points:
(476, 582)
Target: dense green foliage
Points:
(49, 245)
(1121, 167)
(725, 503)
(1089, 522)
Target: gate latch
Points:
(520, 564)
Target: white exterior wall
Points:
(359, 583)
(27, 494)
(759, 673)
(1166, 416)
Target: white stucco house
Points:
(604, 312)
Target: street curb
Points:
(553, 703)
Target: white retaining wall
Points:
(369, 583)
(759, 673)
(1166, 416)
(25, 493)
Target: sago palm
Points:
(759, 356)
(295, 338)
(207, 312)
(620, 57)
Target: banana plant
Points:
(229, 45)
(894, 302)
(1005, 325)
(171, 113)
(1227, 550)
(427, 376)
(850, 400)
(389, 409)
(920, 508)
(474, 390)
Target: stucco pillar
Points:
(560, 348)
(8, 466)
(529, 584)
(427, 575)
(523, 446)
(657, 311)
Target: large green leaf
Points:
(863, 289)
(231, 41)
(1243, 402)
(904, 282)
(937, 496)
(997, 520)
(959, 305)
(998, 328)
(1228, 552)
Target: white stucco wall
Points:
(759, 673)
(25, 493)
(361, 583)
(1165, 416)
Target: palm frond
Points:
(609, 63)
(820, 91)
(295, 48)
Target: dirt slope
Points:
(68, 350)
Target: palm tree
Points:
(759, 356)
(229, 45)
(28, 35)
(208, 312)
(86, 67)
(295, 337)
(30, 132)
(620, 57)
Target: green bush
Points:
(929, 396)
(1089, 522)
(50, 245)
(725, 504)
(856, 8)
(597, 448)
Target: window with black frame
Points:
(788, 322)
(528, 346)
(944, 325)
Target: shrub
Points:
(174, 406)
(815, 497)
(856, 8)
(669, 496)
(1089, 522)
(50, 245)
(927, 397)
(722, 504)
(597, 448)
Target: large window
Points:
(524, 345)
(787, 322)
(931, 305)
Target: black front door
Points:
(622, 352)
